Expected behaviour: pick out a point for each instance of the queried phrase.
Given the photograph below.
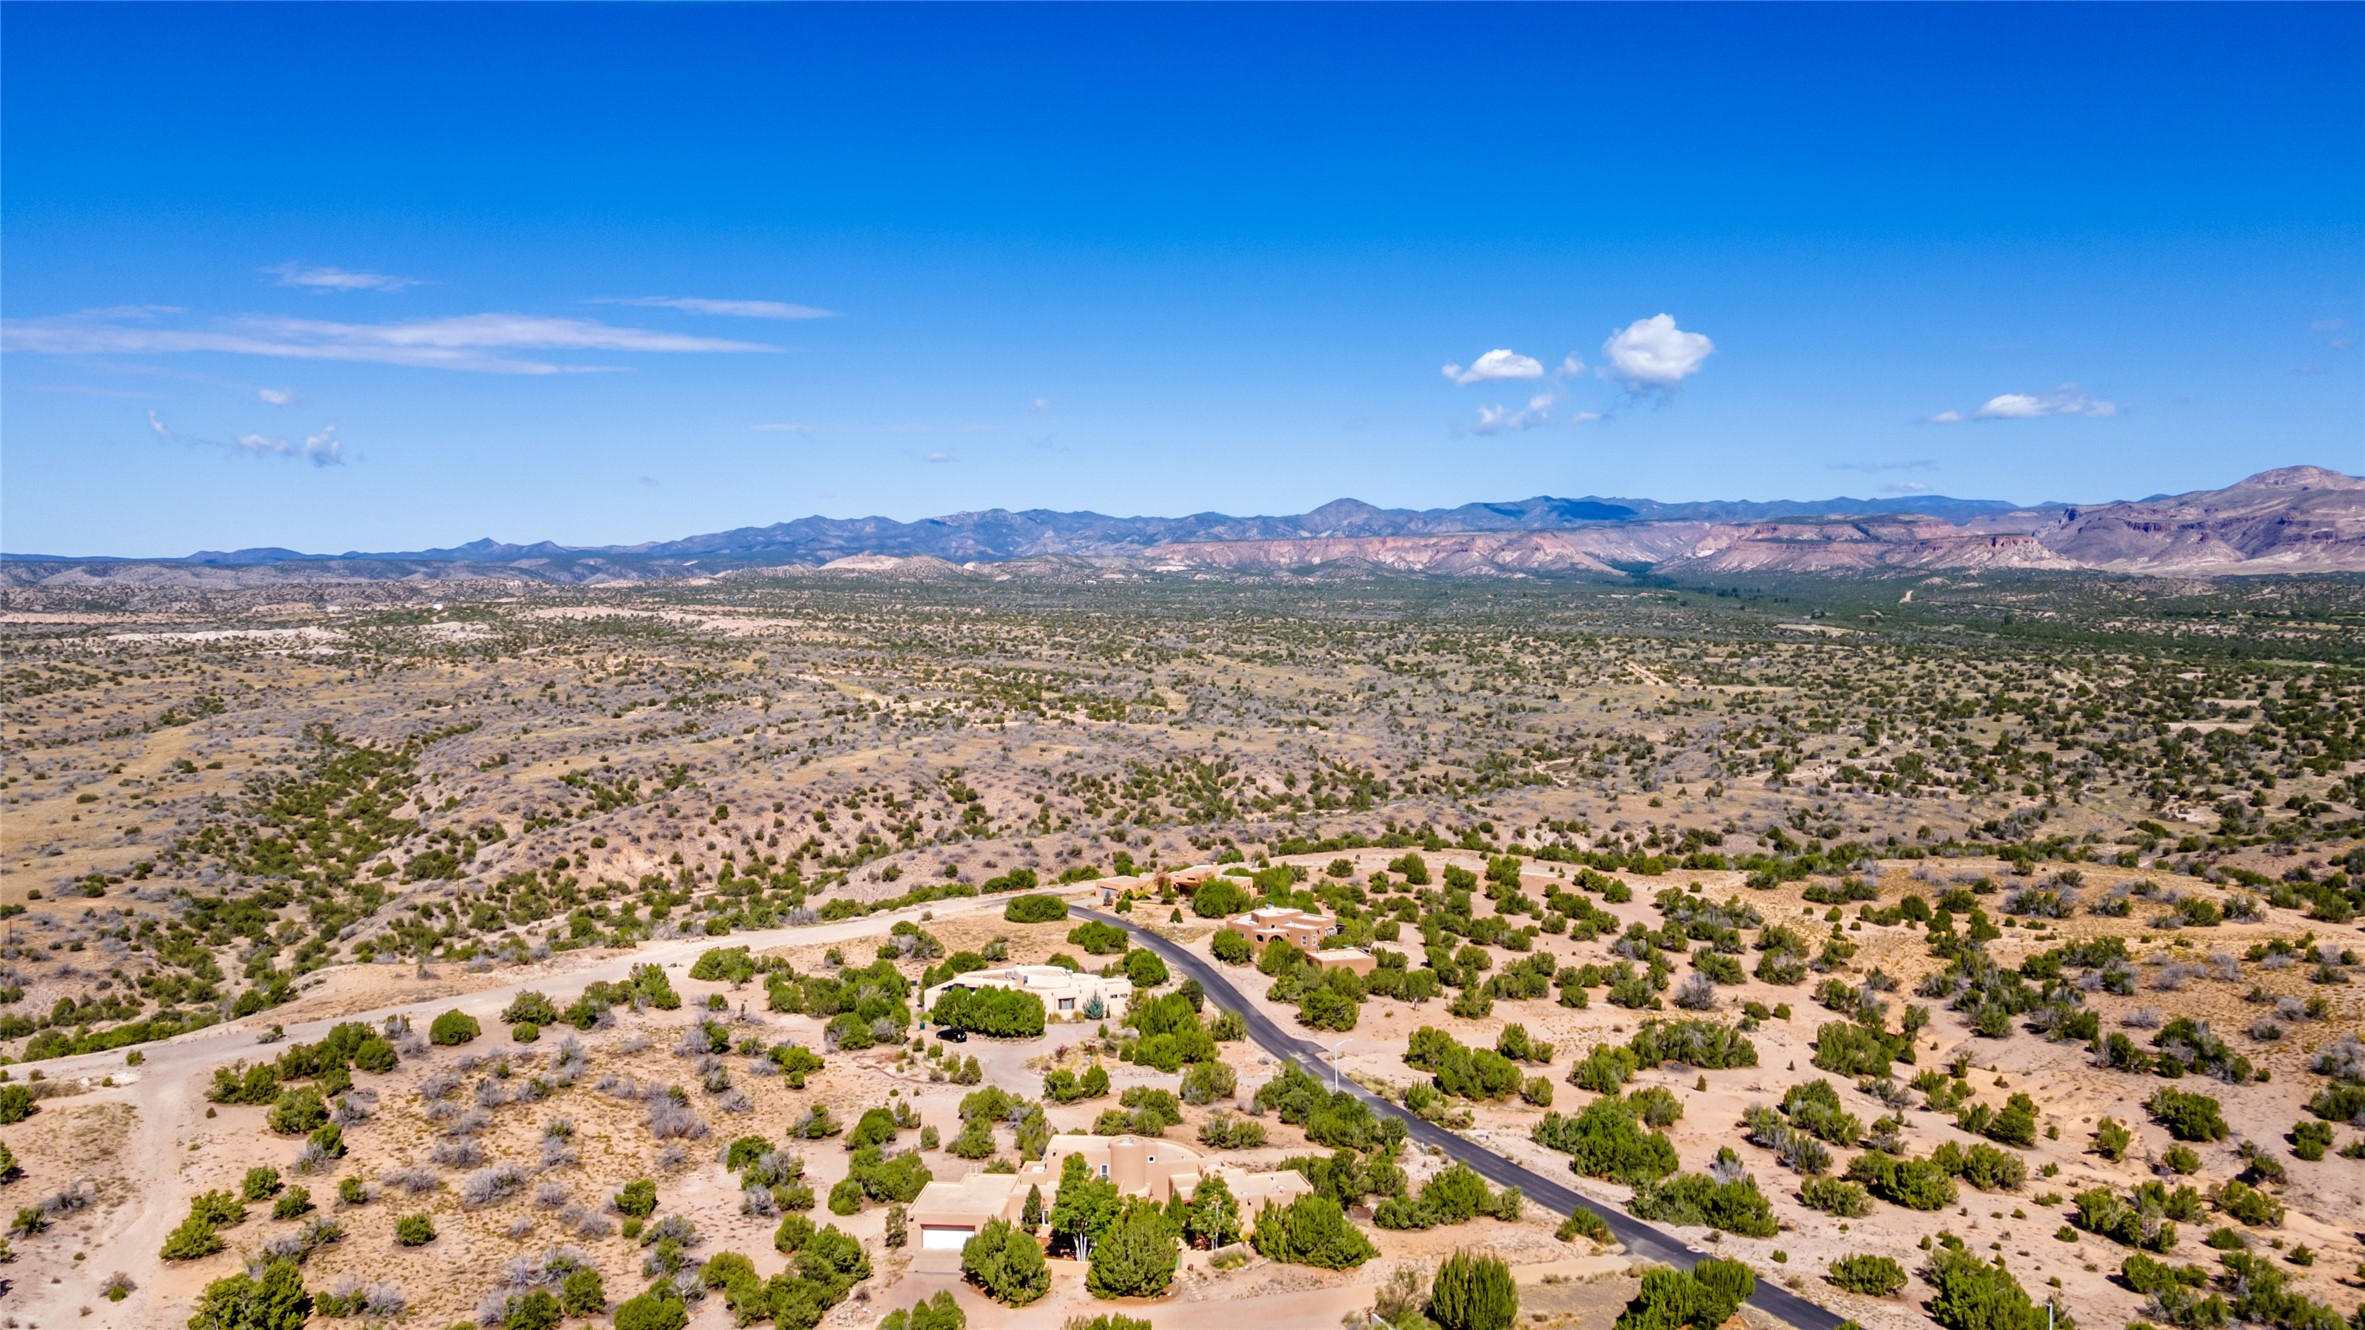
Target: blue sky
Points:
(386, 277)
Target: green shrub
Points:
(1219, 899)
(1845, 1048)
(191, 1239)
(16, 1104)
(1703, 1298)
(414, 1230)
(297, 1112)
(2111, 1139)
(453, 1027)
(2188, 1116)
(1692, 1198)
(1311, 1230)
(1916, 1184)
(637, 1198)
(1836, 1196)
(1135, 1254)
(1231, 948)
(658, 1309)
(1473, 1291)
(1034, 908)
(1973, 1295)
(1006, 1264)
(260, 1184)
(1606, 1140)
(997, 1013)
(1873, 1276)
(1097, 938)
(294, 1203)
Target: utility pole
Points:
(1334, 1063)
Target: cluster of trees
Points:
(1701, 1298)
(824, 1266)
(1034, 908)
(329, 1064)
(1454, 1195)
(998, 1013)
(1610, 1137)
(1725, 1199)
(1311, 1230)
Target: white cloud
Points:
(1570, 367)
(736, 309)
(2065, 400)
(276, 396)
(1497, 419)
(322, 280)
(1496, 365)
(1583, 417)
(783, 427)
(1654, 355)
(322, 449)
(1039, 405)
(1904, 487)
(939, 457)
(475, 342)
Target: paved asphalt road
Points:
(1639, 1238)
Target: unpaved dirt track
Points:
(167, 1093)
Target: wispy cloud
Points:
(783, 427)
(2065, 400)
(484, 343)
(1495, 366)
(1500, 419)
(1905, 487)
(1570, 367)
(1039, 405)
(938, 457)
(1653, 355)
(324, 280)
(321, 449)
(276, 396)
(734, 309)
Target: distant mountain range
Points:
(2297, 519)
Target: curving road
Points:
(1641, 1239)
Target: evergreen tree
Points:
(1006, 1263)
(1211, 1218)
(1474, 1292)
(1085, 1207)
(1136, 1255)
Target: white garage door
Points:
(938, 1237)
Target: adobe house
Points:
(1305, 930)
(1067, 994)
(948, 1214)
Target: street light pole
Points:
(1334, 1063)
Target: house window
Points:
(1067, 1004)
(1104, 1170)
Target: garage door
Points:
(938, 1237)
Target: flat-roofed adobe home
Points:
(1303, 929)
(1067, 994)
(948, 1214)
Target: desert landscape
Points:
(491, 952)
